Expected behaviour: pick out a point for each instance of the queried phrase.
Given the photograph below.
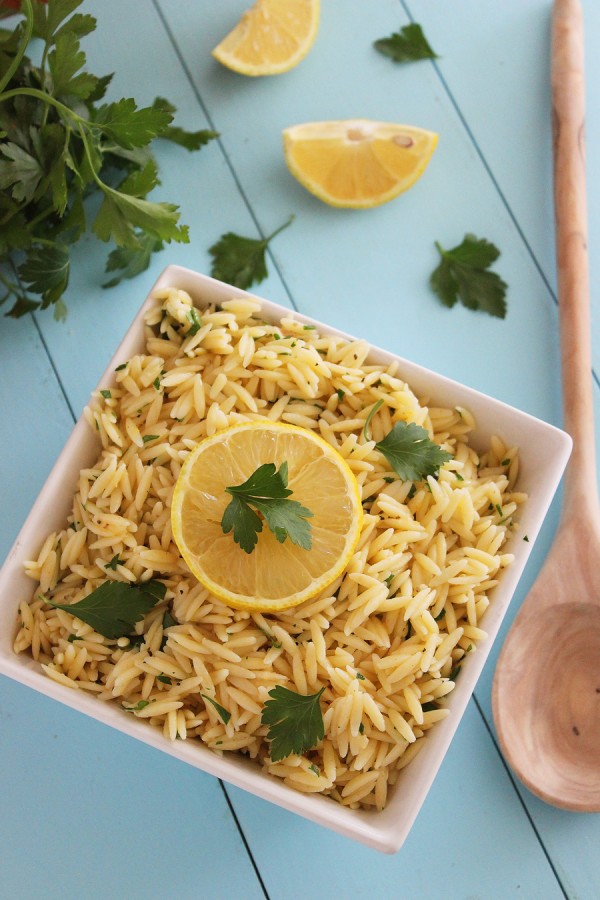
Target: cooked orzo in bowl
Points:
(380, 649)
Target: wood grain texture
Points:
(570, 204)
(548, 716)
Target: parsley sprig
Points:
(223, 713)
(58, 144)
(407, 45)
(295, 722)
(241, 261)
(411, 453)
(114, 608)
(266, 494)
(463, 274)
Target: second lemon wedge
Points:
(357, 163)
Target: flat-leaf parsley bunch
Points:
(59, 143)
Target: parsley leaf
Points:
(21, 170)
(463, 274)
(287, 519)
(367, 427)
(45, 271)
(195, 320)
(266, 490)
(47, 20)
(128, 262)
(244, 522)
(168, 620)
(80, 24)
(114, 562)
(266, 481)
(407, 45)
(65, 62)
(295, 722)
(224, 713)
(270, 637)
(240, 261)
(114, 608)
(119, 212)
(129, 126)
(191, 140)
(410, 452)
(141, 704)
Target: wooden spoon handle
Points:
(568, 98)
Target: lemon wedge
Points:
(357, 163)
(274, 576)
(271, 37)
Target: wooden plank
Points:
(36, 422)
(90, 813)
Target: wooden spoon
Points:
(546, 691)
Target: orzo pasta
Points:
(385, 640)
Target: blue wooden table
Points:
(86, 812)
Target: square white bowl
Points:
(544, 451)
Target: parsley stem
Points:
(45, 53)
(103, 187)
(14, 287)
(39, 218)
(88, 154)
(10, 215)
(15, 272)
(35, 221)
(21, 51)
(46, 243)
(46, 112)
(281, 228)
(68, 114)
(11, 286)
(45, 98)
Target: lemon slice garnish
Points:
(275, 575)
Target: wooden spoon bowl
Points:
(568, 740)
(547, 688)
(546, 691)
